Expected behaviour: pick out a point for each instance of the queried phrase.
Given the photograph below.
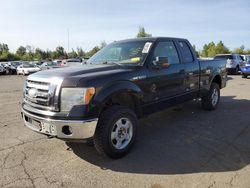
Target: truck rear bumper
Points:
(63, 129)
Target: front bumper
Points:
(63, 129)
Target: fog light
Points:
(67, 130)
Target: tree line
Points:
(211, 49)
(29, 53)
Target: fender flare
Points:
(118, 87)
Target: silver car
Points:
(234, 61)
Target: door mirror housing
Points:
(161, 62)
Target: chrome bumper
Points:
(64, 129)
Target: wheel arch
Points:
(217, 79)
(122, 93)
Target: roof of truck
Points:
(150, 39)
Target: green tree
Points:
(211, 51)
(240, 50)
(4, 48)
(80, 52)
(247, 51)
(72, 54)
(204, 50)
(93, 51)
(59, 53)
(21, 51)
(40, 54)
(142, 33)
(221, 48)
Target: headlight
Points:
(75, 96)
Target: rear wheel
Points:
(244, 76)
(116, 131)
(211, 101)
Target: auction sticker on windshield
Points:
(146, 47)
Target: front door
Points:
(168, 81)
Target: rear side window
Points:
(167, 49)
(186, 52)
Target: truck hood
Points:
(77, 73)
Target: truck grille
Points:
(40, 94)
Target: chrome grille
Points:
(40, 94)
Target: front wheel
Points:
(211, 100)
(116, 131)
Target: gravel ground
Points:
(178, 147)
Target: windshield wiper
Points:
(111, 62)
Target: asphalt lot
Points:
(179, 147)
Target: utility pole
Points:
(68, 38)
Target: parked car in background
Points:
(27, 68)
(58, 61)
(9, 68)
(12, 66)
(49, 65)
(245, 68)
(71, 62)
(2, 69)
(234, 61)
(246, 58)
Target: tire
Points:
(90, 142)
(237, 69)
(112, 138)
(212, 99)
(244, 76)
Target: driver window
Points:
(166, 49)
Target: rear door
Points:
(192, 67)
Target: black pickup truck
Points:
(124, 81)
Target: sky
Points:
(44, 23)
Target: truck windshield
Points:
(130, 53)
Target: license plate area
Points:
(36, 124)
(40, 126)
(46, 128)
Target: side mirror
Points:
(161, 62)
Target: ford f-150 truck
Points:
(124, 81)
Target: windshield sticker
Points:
(135, 59)
(146, 47)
